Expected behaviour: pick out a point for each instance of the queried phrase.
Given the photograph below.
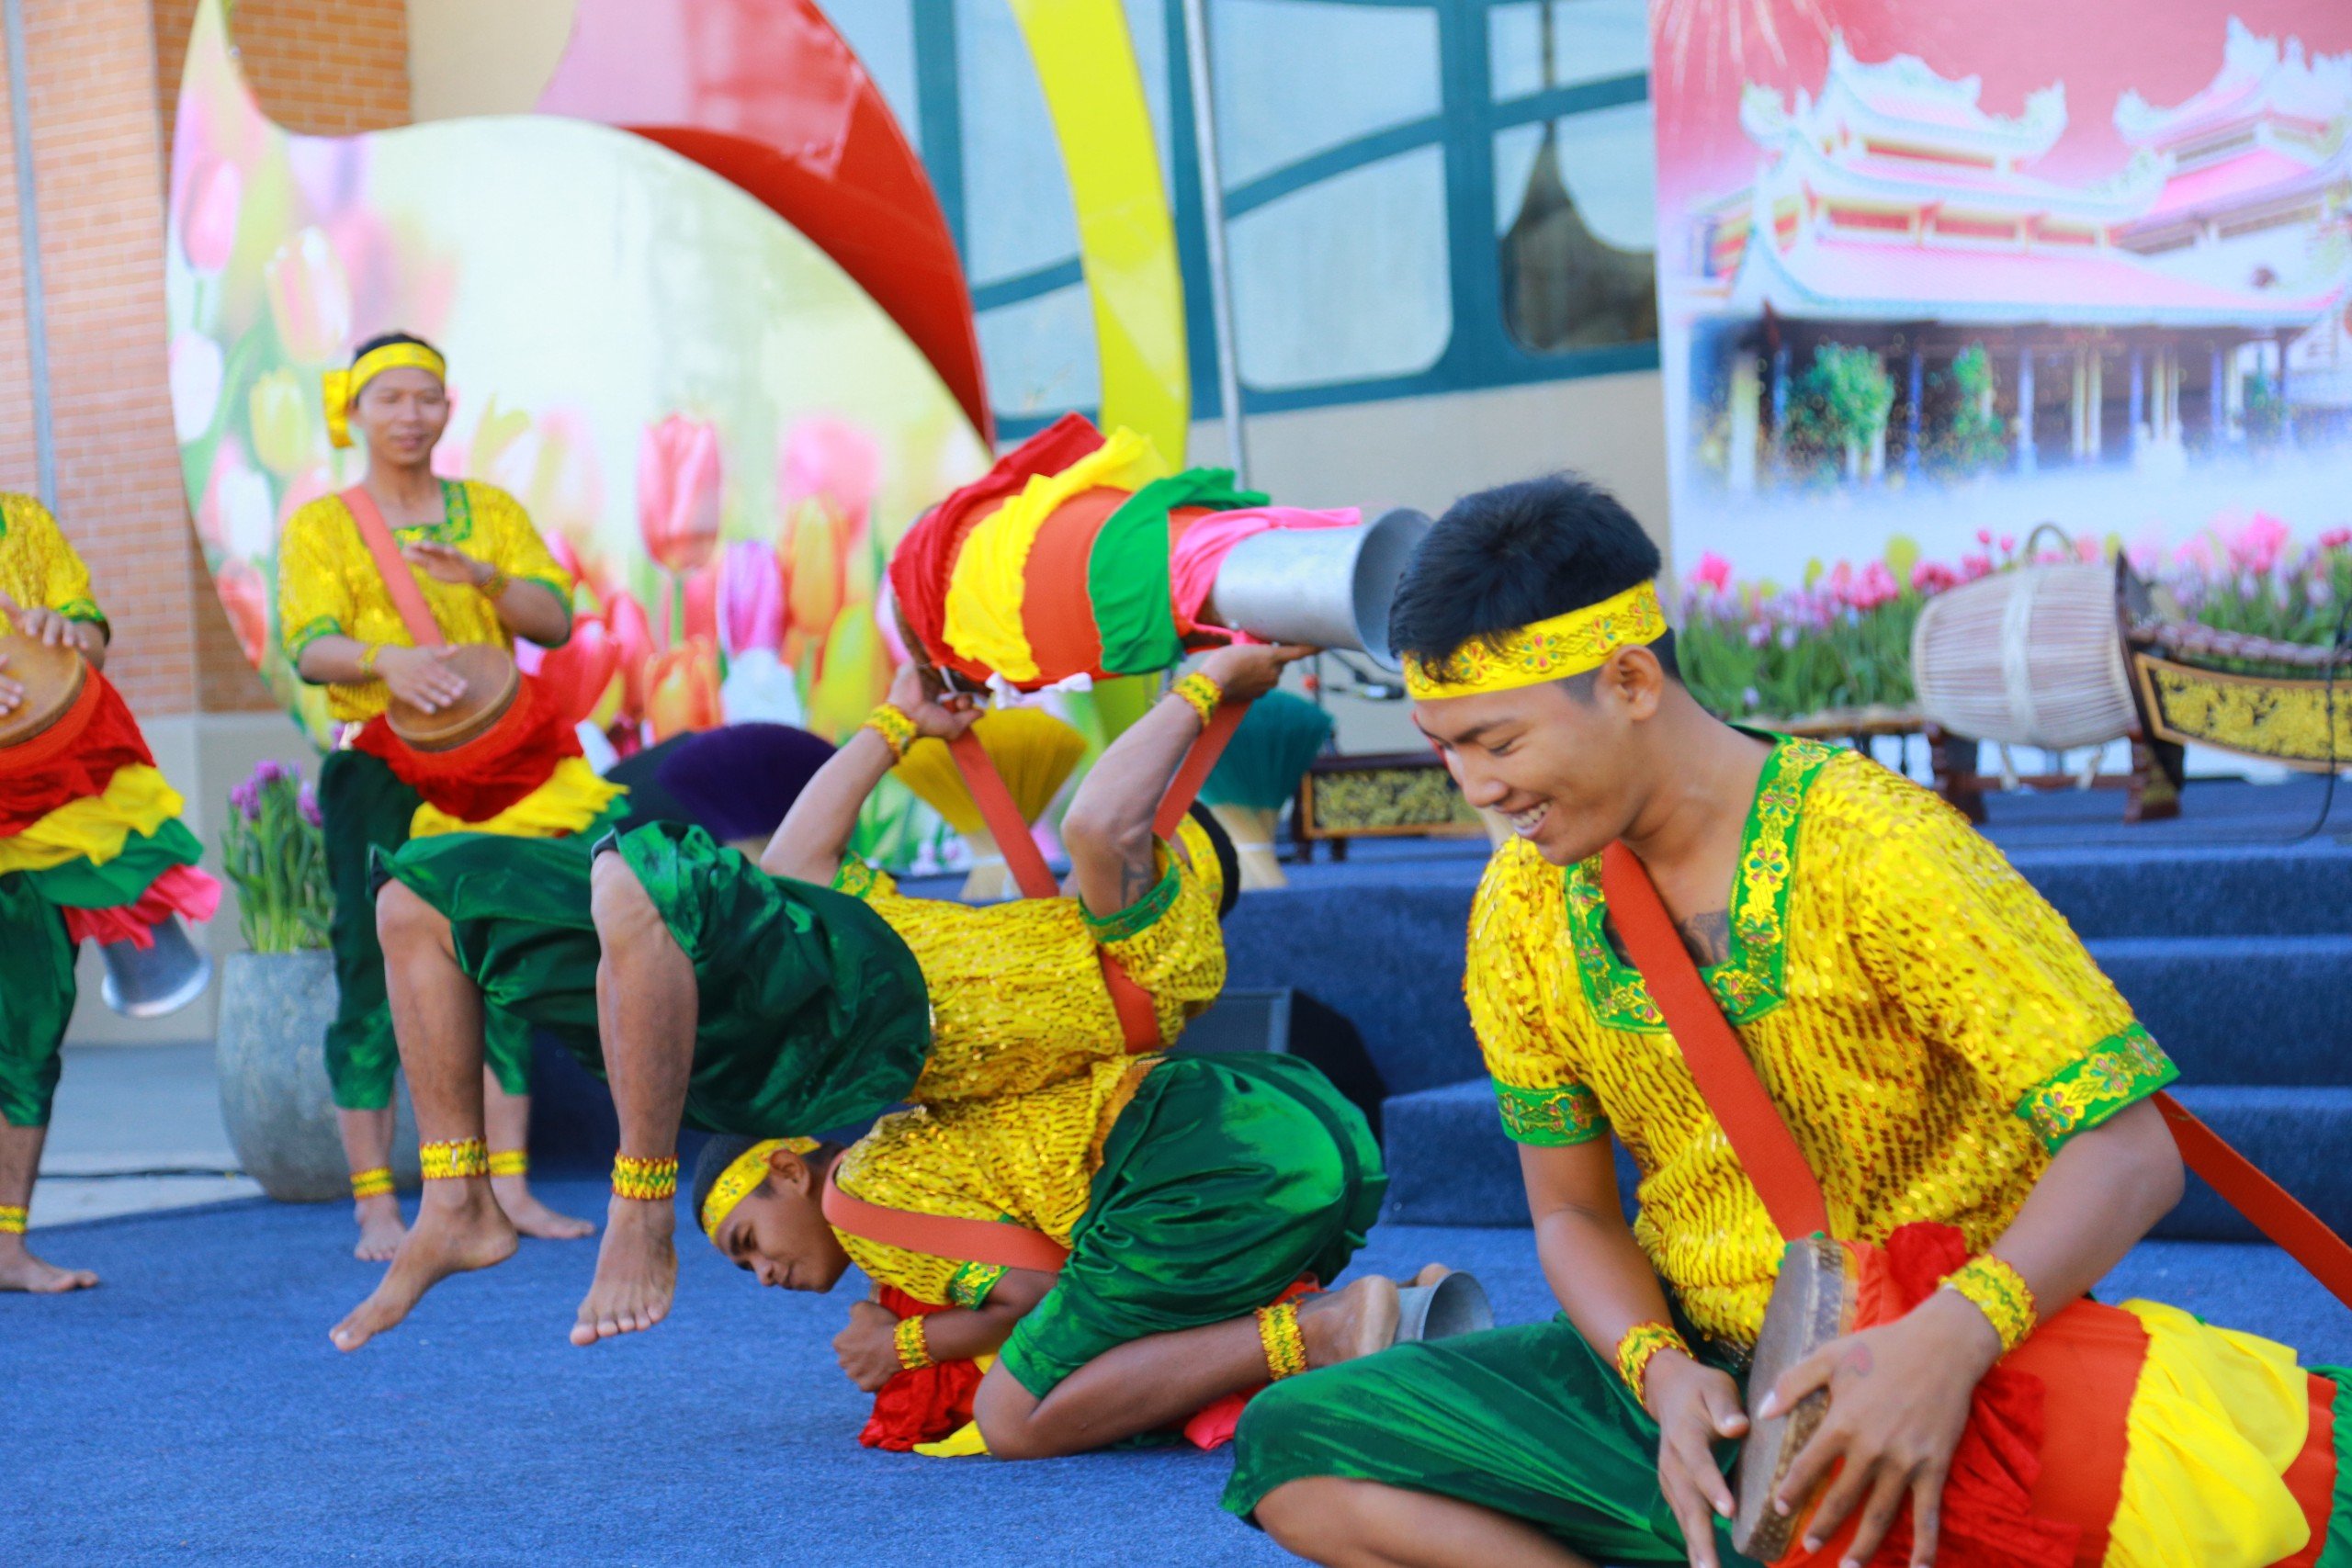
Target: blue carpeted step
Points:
(1449, 1163)
(2268, 1010)
(2237, 890)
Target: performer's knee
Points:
(405, 923)
(1314, 1516)
(1007, 1416)
(618, 901)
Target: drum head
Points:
(1812, 1302)
(51, 678)
(491, 683)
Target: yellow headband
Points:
(1548, 650)
(342, 387)
(746, 1171)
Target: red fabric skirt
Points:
(477, 781)
(71, 760)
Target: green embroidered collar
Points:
(1748, 982)
(457, 524)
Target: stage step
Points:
(2241, 1009)
(1449, 1163)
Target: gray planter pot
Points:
(274, 1008)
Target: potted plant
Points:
(277, 996)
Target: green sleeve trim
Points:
(1140, 916)
(82, 610)
(2120, 1071)
(970, 1286)
(562, 597)
(1550, 1118)
(856, 878)
(317, 627)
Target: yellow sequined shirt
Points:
(328, 584)
(1017, 995)
(38, 567)
(1930, 1027)
(1030, 1159)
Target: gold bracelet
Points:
(494, 587)
(1203, 695)
(510, 1162)
(1998, 1291)
(12, 1219)
(1640, 1347)
(373, 1183)
(897, 730)
(368, 659)
(1284, 1346)
(914, 1348)
(454, 1159)
(646, 1180)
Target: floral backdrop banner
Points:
(1930, 275)
(703, 414)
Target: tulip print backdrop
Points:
(702, 414)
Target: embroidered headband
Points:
(342, 387)
(743, 1173)
(1550, 650)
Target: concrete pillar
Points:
(1876, 460)
(2026, 459)
(1745, 396)
(2136, 402)
(2078, 407)
(2234, 392)
(2286, 408)
(1911, 416)
(2217, 417)
(2095, 404)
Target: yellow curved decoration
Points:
(1126, 242)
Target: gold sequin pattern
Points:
(1930, 991)
(910, 1340)
(1027, 1157)
(328, 584)
(1017, 995)
(2000, 1292)
(1640, 1347)
(38, 567)
(1280, 1338)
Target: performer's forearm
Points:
(336, 661)
(810, 841)
(1108, 827)
(2103, 1193)
(90, 638)
(961, 1333)
(532, 610)
(1599, 1276)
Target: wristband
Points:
(373, 1183)
(1201, 695)
(914, 1350)
(1284, 1346)
(2000, 1292)
(509, 1162)
(646, 1180)
(1639, 1347)
(454, 1161)
(897, 730)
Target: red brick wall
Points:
(104, 77)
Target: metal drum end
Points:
(1455, 1305)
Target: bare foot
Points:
(466, 1230)
(1339, 1326)
(20, 1271)
(379, 1228)
(534, 1218)
(636, 1272)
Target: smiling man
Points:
(1936, 1038)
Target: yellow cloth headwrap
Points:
(342, 387)
(746, 1171)
(1548, 650)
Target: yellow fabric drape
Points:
(2216, 1418)
(136, 800)
(1094, 88)
(572, 796)
(984, 596)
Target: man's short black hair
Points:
(1505, 558)
(385, 340)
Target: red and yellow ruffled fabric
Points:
(524, 778)
(925, 1403)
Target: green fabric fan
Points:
(1276, 742)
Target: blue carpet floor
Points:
(192, 1410)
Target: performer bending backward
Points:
(487, 577)
(1937, 1040)
(91, 844)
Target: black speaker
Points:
(1290, 1022)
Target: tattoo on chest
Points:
(1708, 936)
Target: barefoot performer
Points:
(1969, 1093)
(485, 577)
(91, 846)
(757, 1001)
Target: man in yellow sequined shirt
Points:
(1940, 1044)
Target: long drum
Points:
(1813, 1302)
(53, 679)
(492, 686)
(1326, 587)
(2028, 657)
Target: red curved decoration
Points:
(766, 94)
